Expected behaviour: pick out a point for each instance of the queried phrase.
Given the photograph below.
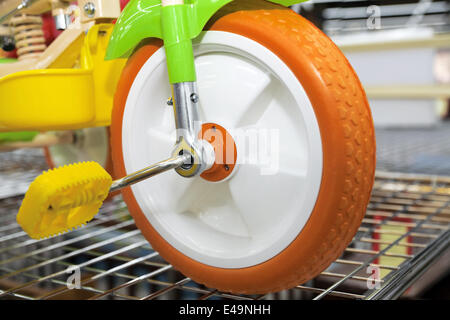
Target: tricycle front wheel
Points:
(259, 70)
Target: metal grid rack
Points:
(405, 229)
(344, 17)
(414, 150)
(17, 170)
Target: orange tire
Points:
(347, 135)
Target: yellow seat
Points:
(63, 99)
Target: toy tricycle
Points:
(266, 125)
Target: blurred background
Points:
(400, 49)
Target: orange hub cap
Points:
(225, 149)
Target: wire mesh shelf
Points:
(414, 150)
(346, 17)
(405, 229)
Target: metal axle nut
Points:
(89, 9)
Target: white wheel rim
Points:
(251, 217)
(92, 145)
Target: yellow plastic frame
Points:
(63, 99)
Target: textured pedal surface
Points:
(64, 198)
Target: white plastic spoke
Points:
(188, 194)
(182, 191)
(272, 149)
(160, 143)
(258, 105)
(264, 200)
(213, 205)
(223, 103)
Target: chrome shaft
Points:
(188, 124)
(187, 119)
(148, 172)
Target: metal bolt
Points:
(194, 98)
(89, 9)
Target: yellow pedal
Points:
(64, 198)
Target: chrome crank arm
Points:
(153, 170)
